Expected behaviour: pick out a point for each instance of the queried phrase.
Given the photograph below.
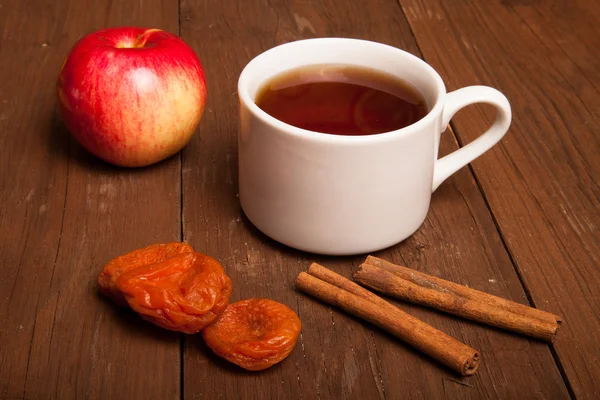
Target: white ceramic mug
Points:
(343, 195)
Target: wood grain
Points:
(63, 214)
(338, 356)
(542, 183)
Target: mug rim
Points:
(244, 96)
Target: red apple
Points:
(131, 96)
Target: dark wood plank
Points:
(337, 356)
(63, 214)
(542, 182)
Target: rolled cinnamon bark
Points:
(441, 285)
(445, 349)
(338, 280)
(391, 284)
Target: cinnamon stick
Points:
(441, 285)
(391, 284)
(338, 280)
(368, 306)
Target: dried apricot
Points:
(170, 286)
(152, 254)
(183, 293)
(254, 334)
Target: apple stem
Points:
(141, 40)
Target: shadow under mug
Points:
(346, 195)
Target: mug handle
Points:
(447, 165)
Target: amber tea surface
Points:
(341, 100)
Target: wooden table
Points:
(521, 222)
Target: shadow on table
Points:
(275, 246)
(62, 145)
(214, 360)
(132, 322)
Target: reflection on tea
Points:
(341, 100)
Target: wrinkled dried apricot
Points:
(183, 293)
(152, 254)
(254, 334)
(169, 286)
